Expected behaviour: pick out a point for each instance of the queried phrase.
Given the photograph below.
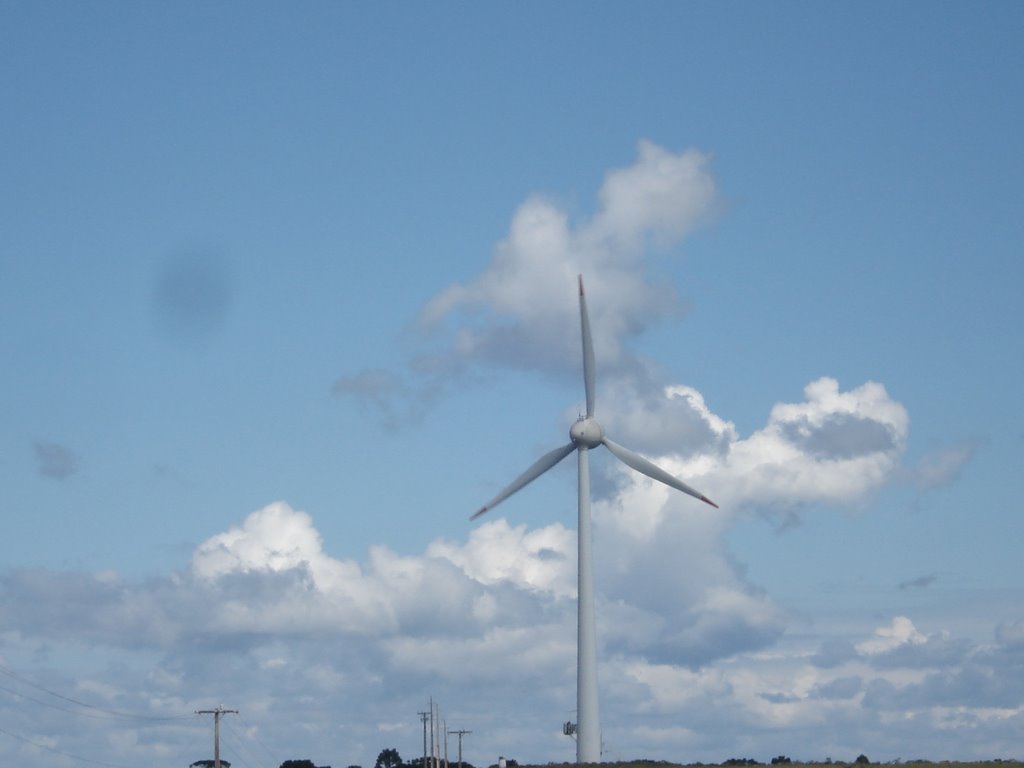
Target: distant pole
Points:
(437, 735)
(444, 727)
(433, 750)
(460, 734)
(424, 716)
(216, 729)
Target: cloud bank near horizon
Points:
(264, 611)
(263, 614)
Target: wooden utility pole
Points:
(424, 716)
(216, 729)
(460, 734)
(433, 749)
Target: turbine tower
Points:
(585, 434)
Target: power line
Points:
(112, 714)
(51, 705)
(100, 714)
(87, 710)
(51, 750)
(238, 756)
(237, 745)
(80, 709)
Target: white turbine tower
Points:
(585, 434)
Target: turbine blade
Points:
(645, 467)
(588, 351)
(538, 468)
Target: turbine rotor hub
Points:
(586, 433)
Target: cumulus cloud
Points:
(265, 615)
(834, 447)
(900, 632)
(495, 613)
(524, 303)
(543, 560)
(271, 570)
(664, 419)
(888, 694)
(522, 310)
(782, 695)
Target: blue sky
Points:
(286, 293)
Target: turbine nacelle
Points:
(586, 433)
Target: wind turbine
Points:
(585, 434)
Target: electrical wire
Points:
(239, 759)
(238, 741)
(51, 750)
(80, 709)
(111, 714)
(85, 709)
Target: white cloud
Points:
(543, 560)
(314, 589)
(900, 632)
(664, 195)
(275, 538)
(692, 655)
(834, 447)
(522, 310)
(663, 420)
(529, 285)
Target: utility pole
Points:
(460, 734)
(216, 729)
(424, 716)
(433, 751)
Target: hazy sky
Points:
(287, 291)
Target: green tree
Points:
(388, 758)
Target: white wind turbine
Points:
(585, 434)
